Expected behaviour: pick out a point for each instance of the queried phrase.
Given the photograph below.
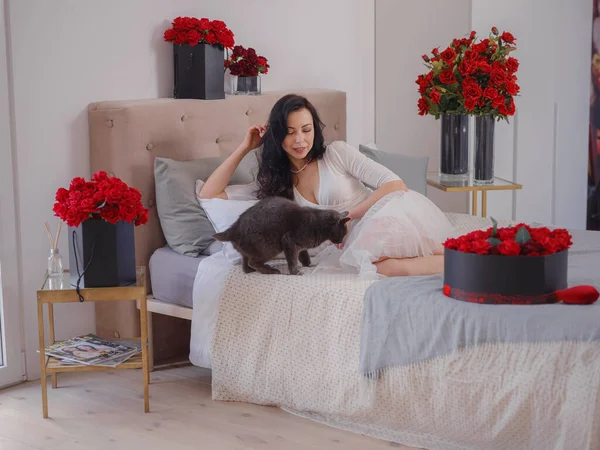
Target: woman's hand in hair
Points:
(253, 137)
(214, 186)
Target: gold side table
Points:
(59, 290)
(435, 180)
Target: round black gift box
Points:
(499, 279)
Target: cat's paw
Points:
(267, 270)
(295, 271)
(304, 258)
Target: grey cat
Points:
(276, 224)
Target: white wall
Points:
(572, 67)
(553, 41)
(67, 54)
(553, 47)
(10, 304)
(405, 31)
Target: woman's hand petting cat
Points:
(253, 137)
(391, 186)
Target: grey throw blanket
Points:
(408, 319)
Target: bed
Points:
(126, 136)
(294, 342)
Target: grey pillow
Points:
(183, 221)
(412, 169)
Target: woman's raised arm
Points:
(214, 186)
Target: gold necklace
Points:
(305, 166)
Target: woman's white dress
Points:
(400, 225)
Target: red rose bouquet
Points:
(192, 31)
(246, 63)
(519, 240)
(519, 265)
(102, 198)
(469, 77)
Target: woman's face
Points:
(301, 134)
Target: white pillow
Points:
(222, 214)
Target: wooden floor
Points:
(104, 410)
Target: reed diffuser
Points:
(55, 265)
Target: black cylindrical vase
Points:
(484, 149)
(454, 151)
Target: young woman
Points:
(393, 232)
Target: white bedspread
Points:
(211, 279)
(208, 288)
(294, 342)
(209, 284)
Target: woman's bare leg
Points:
(402, 267)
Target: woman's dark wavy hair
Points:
(274, 177)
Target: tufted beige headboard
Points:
(126, 136)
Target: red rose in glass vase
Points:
(246, 62)
(246, 65)
(469, 77)
(102, 198)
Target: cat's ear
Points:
(344, 217)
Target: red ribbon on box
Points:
(578, 295)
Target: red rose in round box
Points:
(521, 265)
(101, 215)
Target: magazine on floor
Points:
(93, 350)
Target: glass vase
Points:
(245, 85)
(484, 150)
(454, 149)
(55, 265)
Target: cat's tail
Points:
(224, 236)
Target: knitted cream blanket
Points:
(294, 342)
